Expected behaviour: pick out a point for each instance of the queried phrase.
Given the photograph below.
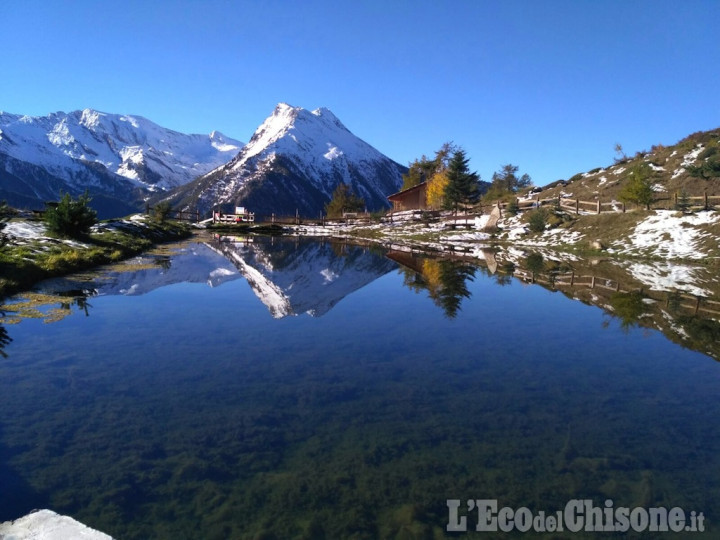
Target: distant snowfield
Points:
(47, 525)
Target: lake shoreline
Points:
(32, 255)
(32, 260)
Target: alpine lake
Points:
(277, 387)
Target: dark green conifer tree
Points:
(463, 186)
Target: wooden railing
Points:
(705, 202)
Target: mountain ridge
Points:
(293, 162)
(119, 159)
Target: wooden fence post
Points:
(598, 206)
(623, 207)
(577, 207)
(706, 200)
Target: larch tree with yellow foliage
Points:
(436, 189)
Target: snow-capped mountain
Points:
(115, 157)
(294, 161)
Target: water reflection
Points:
(445, 280)
(50, 305)
(5, 338)
(181, 406)
(301, 276)
(688, 316)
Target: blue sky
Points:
(548, 85)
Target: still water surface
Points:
(298, 389)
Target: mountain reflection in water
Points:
(300, 276)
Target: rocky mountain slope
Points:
(119, 159)
(294, 161)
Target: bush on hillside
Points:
(71, 217)
(537, 220)
(161, 211)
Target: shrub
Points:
(71, 217)
(512, 207)
(161, 211)
(537, 220)
(638, 188)
(5, 213)
(683, 201)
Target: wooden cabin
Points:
(414, 198)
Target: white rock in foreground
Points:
(47, 525)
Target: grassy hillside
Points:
(693, 164)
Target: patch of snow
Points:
(47, 525)
(692, 156)
(658, 187)
(27, 230)
(619, 171)
(656, 167)
(481, 221)
(670, 235)
(332, 153)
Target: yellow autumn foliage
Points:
(436, 189)
(431, 273)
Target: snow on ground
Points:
(671, 235)
(692, 156)
(27, 230)
(663, 276)
(47, 525)
(677, 172)
(24, 232)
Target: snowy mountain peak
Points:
(90, 118)
(294, 161)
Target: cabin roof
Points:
(404, 192)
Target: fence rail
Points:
(597, 206)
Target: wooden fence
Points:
(704, 202)
(322, 220)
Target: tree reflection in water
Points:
(445, 281)
(5, 338)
